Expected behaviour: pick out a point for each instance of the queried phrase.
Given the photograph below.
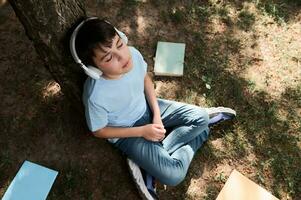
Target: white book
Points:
(169, 59)
(32, 182)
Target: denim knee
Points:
(174, 178)
(200, 116)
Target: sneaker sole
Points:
(138, 179)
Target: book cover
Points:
(169, 59)
(32, 182)
(239, 187)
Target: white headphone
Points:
(91, 71)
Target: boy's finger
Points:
(161, 131)
(159, 125)
(159, 136)
(162, 138)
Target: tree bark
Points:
(48, 24)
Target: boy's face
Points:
(113, 61)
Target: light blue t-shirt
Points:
(116, 103)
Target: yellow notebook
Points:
(239, 187)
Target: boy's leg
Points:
(169, 162)
(187, 122)
(153, 158)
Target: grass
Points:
(258, 129)
(238, 54)
(278, 9)
(245, 20)
(212, 192)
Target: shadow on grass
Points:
(258, 127)
(273, 140)
(91, 169)
(280, 10)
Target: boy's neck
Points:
(112, 77)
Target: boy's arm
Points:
(152, 99)
(152, 132)
(118, 132)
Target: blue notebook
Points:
(32, 182)
(169, 60)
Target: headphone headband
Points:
(72, 40)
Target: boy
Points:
(122, 107)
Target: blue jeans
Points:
(168, 161)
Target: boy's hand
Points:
(154, 132)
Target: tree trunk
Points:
(47, 24)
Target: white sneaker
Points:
(214, 111)
(138, 178)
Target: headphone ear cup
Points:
(93, 72)
(122, 36)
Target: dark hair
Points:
(90, 35)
